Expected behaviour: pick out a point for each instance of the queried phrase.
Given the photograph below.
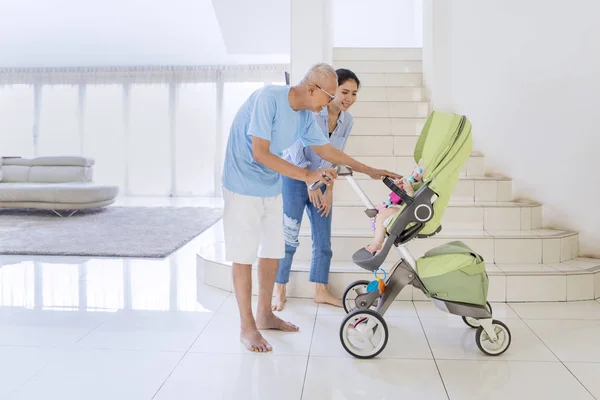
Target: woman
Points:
(336, 123)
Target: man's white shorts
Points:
(253, 227)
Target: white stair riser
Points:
(366, 145)
(391, 79)
(406, 164)
(374, 93)
(501, 288)
(455, 217)
(388, 126)
(375, 145)
(390, 109)
(376, 54)
(360, 67)
(465, 190)
(493, 250)
(381, 145)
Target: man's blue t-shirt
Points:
(266, 114)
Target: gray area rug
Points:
(145, 232)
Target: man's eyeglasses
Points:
(331, 97)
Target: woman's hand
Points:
(315, 196)
(326, 202)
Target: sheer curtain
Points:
(16, 120)
(152, 131)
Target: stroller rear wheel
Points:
(352, 292)
(364, 333)
(474, 323)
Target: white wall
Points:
(527, 73)
(310, 36)
(51, 33)
(377, 23)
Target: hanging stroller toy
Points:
(452, 275)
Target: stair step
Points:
(528, 247)
(467, 189)
(387, 126)
(376, 54)
(391, 79)
(375, 93)
(385, 145)
(391, 109)
(459, 215)
(366, 145)
(370, 66)
(405, 164)
(574, 280)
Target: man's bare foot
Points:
(323, 296)
(272, 322)
(280, 297)
(253, 340)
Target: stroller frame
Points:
(418, 211)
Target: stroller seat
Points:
(443, 147)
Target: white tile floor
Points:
(149, 329)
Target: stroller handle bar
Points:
(346, 172)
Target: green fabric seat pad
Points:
(454, 272)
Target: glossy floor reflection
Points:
(86, 328)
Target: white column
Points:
(437, 53)
(219, 146)
(328, 31)
(311, 35)
(173, 137)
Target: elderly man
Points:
(269, 122)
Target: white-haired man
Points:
(269, 122)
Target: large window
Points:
(16, 120)
(151, 131)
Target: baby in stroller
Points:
(390, 207)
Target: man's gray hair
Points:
(320, 73)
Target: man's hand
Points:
(326, 176)
(381, 173)
(335, 156)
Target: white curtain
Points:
(152, 131)
(16, 120)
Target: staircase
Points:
(525, 262)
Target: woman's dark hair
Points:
(345, 75)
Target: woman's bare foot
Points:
(323, 296)
(272, 322)
(253, 340)
(280, 297)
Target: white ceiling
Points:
(35, 33)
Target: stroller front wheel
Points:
(364, 333)
(490, 347)
(474, 323)
(354, 290)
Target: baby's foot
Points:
(409, 189)
(373, 248)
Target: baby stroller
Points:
(452, 275)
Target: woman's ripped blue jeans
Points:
(295, 201)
